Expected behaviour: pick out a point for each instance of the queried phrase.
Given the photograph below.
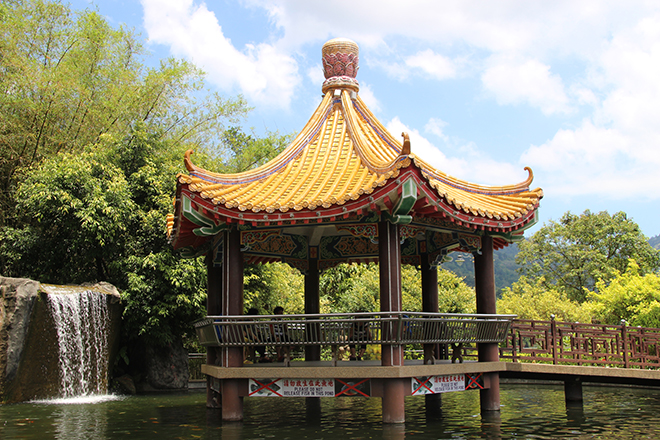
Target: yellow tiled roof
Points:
(342, 153)
(344, 163)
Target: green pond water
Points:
(535, 412)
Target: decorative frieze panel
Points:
(274, 243)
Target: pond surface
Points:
(537, 412)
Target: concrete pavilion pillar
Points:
(213, 307)
(430, 304)
(389, 253)
(484, 275)
(232, 304)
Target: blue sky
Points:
(568, 88)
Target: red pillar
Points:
(232, 304)
(429, 274)
(429, 301)
(389, 253)
(484, 275)
(312, 305)
(213, 307)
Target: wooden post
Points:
(232, 304)
(213, 307)
(624, 343)
(429, 274)
(389, 253)
(553, 339)
(312, 306)
(484, 275)
(429, 302)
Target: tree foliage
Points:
(531, 299)
(629, 296)
(579, 250)
(99, 216)
(354, 287)
(266, 286)
(68, 78)
(454, 296)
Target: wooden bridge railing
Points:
(565, 343)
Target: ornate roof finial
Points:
(340, 64)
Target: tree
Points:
(266, 286)
(533, 300)
(99, 216)
(348, 288)
(454, 296)
(67, 79)
(576, 252)
(355, 287)
(629, 296)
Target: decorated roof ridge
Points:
(434, 174)
(306, 135)
(379, 161)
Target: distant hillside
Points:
(504, 262)
(655, 241)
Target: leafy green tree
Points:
(244, 152)
(68, 78)
(350, 288)
(266, 286)
(578, 251)
(629, 296)
(454, 296)
(99, 216)
(531, 299)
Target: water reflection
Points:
(529, 412)
(80, 422)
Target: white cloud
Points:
(593, 160)
(367, 95)
(433, 64)
(530, 81)
(315, 75)
(473, 165)
(613, 152)
(262, 72)
(435, 126)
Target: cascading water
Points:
(82, 325)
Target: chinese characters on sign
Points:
(292, 387)
(437, 384)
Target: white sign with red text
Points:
(437, 384)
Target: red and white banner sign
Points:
(292, 387)
(437, 384)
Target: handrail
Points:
(566, 343)
(350, 328)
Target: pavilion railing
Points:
(355, 328)
(564, 343)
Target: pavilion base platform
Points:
(391, 383)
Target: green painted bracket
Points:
(207, 227)
(400, 211)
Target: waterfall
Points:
(82, 325)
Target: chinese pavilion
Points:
(345, 190)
